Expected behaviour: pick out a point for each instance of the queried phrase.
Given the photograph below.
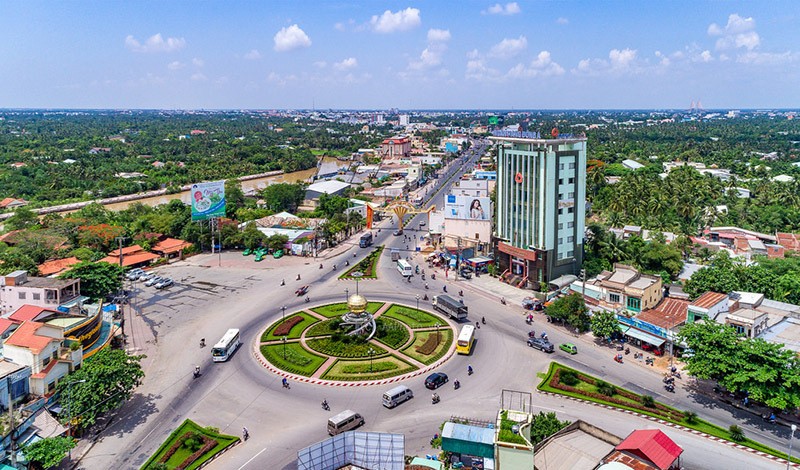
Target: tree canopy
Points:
(50, 451)
(97, 279)
(604, 324)
(571, 309)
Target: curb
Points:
(676, 426)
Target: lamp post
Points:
(283, 309)
(371, 352)
(284, 348)
(69, 410)
(437, 335)
(789, 458)
(417, 302)
(346, 294)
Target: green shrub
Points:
(568, 377)
(348, 346)
(690, 416)
(648, 401)
(736, 433)
(605, 388)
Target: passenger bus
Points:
(405, 268)
(223, 350)
(465, 339)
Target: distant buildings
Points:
(396, 147)
(541, 207)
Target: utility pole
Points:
(13, 444)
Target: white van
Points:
(344, 421)
(396, 396)
(405, 268)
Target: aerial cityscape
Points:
(377, 235)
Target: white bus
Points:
(223, 350)
(405, 268)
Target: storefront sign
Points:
(518, 252)
(642, 325)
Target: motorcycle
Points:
(423, 277)
(307, 299)
(325, 405)
(435, 399)
(245, 434)
(298, 277)
(503, 300)
(461, 293)
(202, 342)
(469, 370)
(196, 372)
(477, 326)
(770, 418)
(456, 385)
(285, 383)
(618, 358)
(627, 350)
(426, 285)
(283, 282)
(425, 297)
(532, 334)
(528, 320)
(433, 276)
(347, 263)
(670, 388)
(483, 320)
(320, 266)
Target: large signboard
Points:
(467, 207)
(208, 200)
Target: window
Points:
(571, 195)
(739, 329)
(614, 298)
(560, 196)
(560, 241)
(571, 180)
(21, 296)
(570, 239)
(561, 166)
(45, 361)
(572, 166)
(51, 386)
(570, 224)
(560, 226)
(570, 210)
(561, 181)
(560, 211)
(570, 253)
(37, 296)
(634, 304)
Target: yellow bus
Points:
(465, 339)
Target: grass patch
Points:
(413, 317)
(355, 348)
(185, 451)
(340, 308)
(294, 333)
(368, 266)
(421, 337)
(322, 328)
(391, 332)
(506, 433)
(551, 384)
(383, 368)
(298, 360)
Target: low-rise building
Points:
(133, 256)
(747, 321)
(646, 449)
(709, 305)
(17, 289)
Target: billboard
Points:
(208, 200)
(467, 207)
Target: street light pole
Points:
(437, 335)
(417, 302)
(371, 352)
(789, 458)
(284, 348)
(69, 410)
(346, 294)
(283, 309)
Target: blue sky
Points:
(409, 55)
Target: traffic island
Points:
(357, 341)
(368, 267)
(189, 447)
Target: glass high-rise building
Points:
(541, 206)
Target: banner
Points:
(467, 207)
(208, 200)
(370, 215)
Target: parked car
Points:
(146, 276)
(277, 254)
(541, 344)
(166, 282)
(435, 380)
(153, 281)
(134, 274)
(397, 233)
(568, 348)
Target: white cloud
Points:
(621, 59)
(477, 70)
(511, 8)
(291, 38)
(704, 56)
(346, 64)
(402, 20)
(562, 20)
(253, 54)
(541, 66)
(509, 47)
(438, 35)
(176, 65)
(198, 62)
(768, 58)
(320, 64)
(198, 77)
(155, 43)
(738, 32)
(473, 54)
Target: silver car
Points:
(153, 281)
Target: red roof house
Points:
(650, 446)
(57, 266)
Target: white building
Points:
(17, 289)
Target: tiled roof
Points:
(171, 245)
(668, 314)
(130, 260)
(25, 337)
(126, 251)
(708, 300)
(653, 445)
(56, 266)
(29, 312)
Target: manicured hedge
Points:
(271, 334)
(353, 349)
(213, 443)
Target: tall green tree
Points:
(545, 425)
(23, 218)
(283, 196)
(49, 452)
(97, 279)
(101, 385)
(604, 324)
(571, 309)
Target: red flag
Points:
(369, 216)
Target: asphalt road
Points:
(207, 300)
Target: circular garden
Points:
(314, 342)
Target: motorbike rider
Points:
(435, 397)
(307, 299)
(325, 404)
(320, 265)
(426, 285)
(346, 263)
(483, 320)
(202, 342)
(245, 434)
(283, 282)
(197, 371)
(298, 277)
(285, 382)
(469, 369)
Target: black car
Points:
(541, 344)
(435, 380)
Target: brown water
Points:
(257, 183)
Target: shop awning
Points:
(656, 341)
(563, 281)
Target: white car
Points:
(166, 282)
(134, 274)
(153, 281)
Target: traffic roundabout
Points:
(357, 342)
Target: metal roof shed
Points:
(469, 440)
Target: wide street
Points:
(213, 293)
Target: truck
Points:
(395, 254)
(365, 240)
(451, 307)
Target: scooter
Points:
(456, 385)
(670, 388)
(483, 320)
(435, 399)
(196, 372)
(202, 342)
(325, 405)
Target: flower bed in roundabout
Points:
(317, 345)
(189, 446)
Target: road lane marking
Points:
(252, 458)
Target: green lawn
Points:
(322, 328)
(385, 367)
(178, 457)
(296, 330)
(367, 267)
(391, 332)
(699, 424)
(353, 349)
(339, 309)
(298, 360)
(413, 317)
(419, 339)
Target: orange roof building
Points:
(170, 246)
(57, 266)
